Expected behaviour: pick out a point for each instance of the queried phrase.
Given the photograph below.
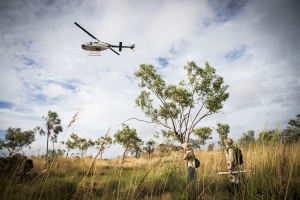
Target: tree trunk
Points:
(47, 144)
(124, 155)
(67, 153)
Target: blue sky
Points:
(254, 45)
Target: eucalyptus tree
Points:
(181, 107)
(53, 139)
(128, 138)
(150, 147)
(202, 134)
(168, 136)
(82, 144)
(267, 136)
(222, 130)
(211, 147)
(246, 138)
(70, 144)
(292, 132)
(51, 128)
(15, 139)
(104, 143)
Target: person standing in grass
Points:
(231, 162)
(189, 156)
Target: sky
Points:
(254, 45)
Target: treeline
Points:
(15, 140)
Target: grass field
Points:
(275, 175)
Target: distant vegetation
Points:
(275, 175)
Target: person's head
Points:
(186, 146)
(228, 142)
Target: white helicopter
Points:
(96, 47)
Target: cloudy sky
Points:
(254, 45)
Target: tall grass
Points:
(275, 175)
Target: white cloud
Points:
(41, 55)
(54, 91)
(244, 94)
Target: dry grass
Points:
(275, 175)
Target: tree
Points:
(53, 139)
(150, 147)
(211, 147)
(246, 138)
(56, 152)
(268, 136)
(195, 143)
(292, 132)
(70, 145)
(15, 139)
(222, 130)
(106, 143)
(202, 135)
(82, 144)
(182, 106)
(52, 127)
(128, 138)
(168, 136)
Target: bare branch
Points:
(165, 125)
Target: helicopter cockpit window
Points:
(89, 43)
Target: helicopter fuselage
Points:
(95, 46)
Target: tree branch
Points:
(165, 125)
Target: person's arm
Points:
(230, 168)
(230, 160)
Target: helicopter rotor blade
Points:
(87, 32)
(114, 51)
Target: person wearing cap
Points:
(189, 156)
(230, 158)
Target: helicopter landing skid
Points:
(94, 53)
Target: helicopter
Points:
(95, 47)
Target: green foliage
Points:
(56, 152)
(268, 135)
(211, 147)
(195, 143)
(222, 130)
(128, 139)
(246, 138)
(150, 147)
(82, 144)
(203, 91)
(51, 128)
(15, 139)
(292, 132)
(202, 134)
(168, 136)
(103, 143)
